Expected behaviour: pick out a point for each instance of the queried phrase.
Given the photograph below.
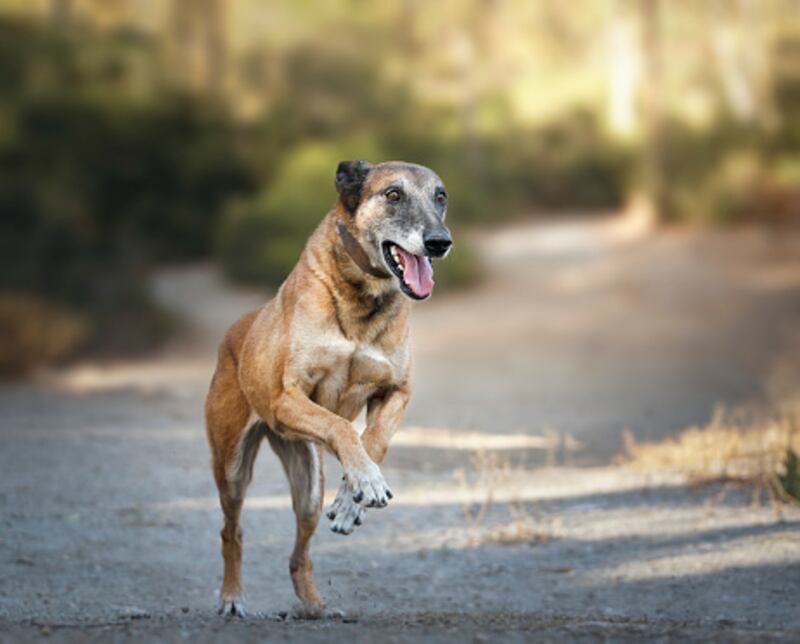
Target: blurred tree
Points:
(60, 12)
(97, 181)
(734, 28)
(196, 39)
(624, 71)
(109, 164)
(652, 103)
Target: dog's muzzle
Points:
(437, 244)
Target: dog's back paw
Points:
(233, 607)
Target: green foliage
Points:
(786, 93)
(33, 332)
(570, 163)
(729, 193)
(94, 187)
(729, 172)
(261, 237)
(339, 106)
(460, 269)
(106, 169)
(790, 479)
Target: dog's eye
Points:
(393, 194)
(441, 198)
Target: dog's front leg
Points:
(383, 418)
(293, 409)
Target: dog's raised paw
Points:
(232, 608)
(345, 514)
(368, 487)
(349, 517)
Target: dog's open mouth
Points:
(414, 271)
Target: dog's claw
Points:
(361, 489)
(347, 514)
(367, 486)
(348, 520)
(232, 608)
(389, 494)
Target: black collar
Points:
(358, 254)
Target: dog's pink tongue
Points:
(417, 272)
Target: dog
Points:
(333, 340)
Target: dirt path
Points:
(108, 519)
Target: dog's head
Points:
(396, 211)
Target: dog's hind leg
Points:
(232, 482)
(234, 440)
(302, 461)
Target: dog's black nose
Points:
(437, 245)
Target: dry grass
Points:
(488, 473)
(740, 447)
(33, 332)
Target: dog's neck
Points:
(358, 254)
(367, 292)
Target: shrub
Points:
(758, 451)
(261, 237)
(571, 163)
(731, 192)
(97, 182)
(789, 478)
(33, 332)
(460, 269)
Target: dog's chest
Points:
(347, 374)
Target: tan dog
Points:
(332, 341)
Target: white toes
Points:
(369, 488)
(360, 489)
(336, 507)
(350, 516)
(345, 514)
(232, 608)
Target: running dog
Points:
(333, 340)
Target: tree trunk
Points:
(197, 45)
(60, 13)
(652, 104)
(624, 71)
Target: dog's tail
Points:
(301, 461)
(239, 470)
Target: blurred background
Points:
(141, 133)
(605, 419)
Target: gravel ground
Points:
(109, 522)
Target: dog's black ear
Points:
(350, 177)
